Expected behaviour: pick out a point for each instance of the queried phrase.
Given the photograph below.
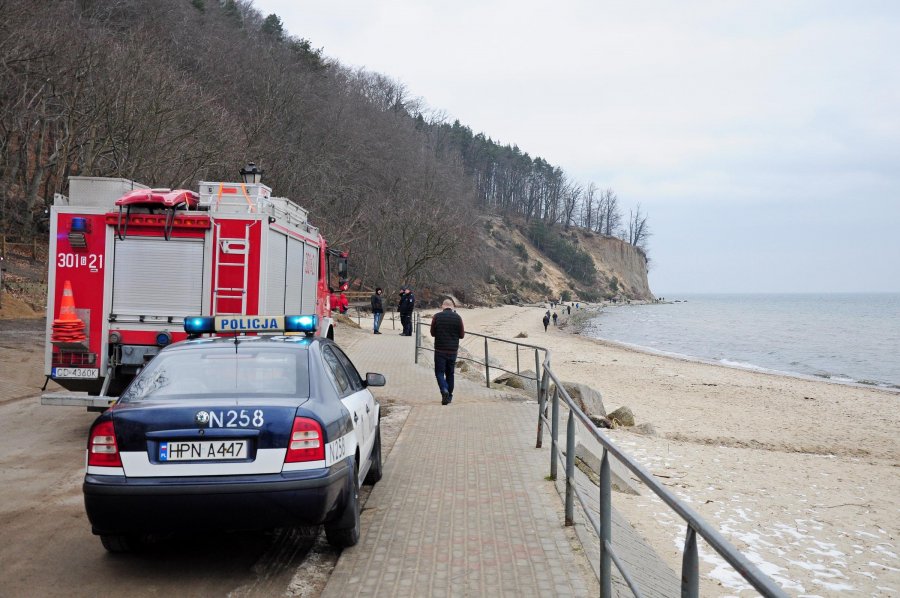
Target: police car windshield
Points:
(222, 373)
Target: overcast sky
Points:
(762, 138)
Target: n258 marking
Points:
(236, 419)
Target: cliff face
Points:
(514, 270)
(614, 258)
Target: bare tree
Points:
(609, 217)
(638, 230)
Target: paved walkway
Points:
(464, 508)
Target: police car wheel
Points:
(121, 543)
(345, 530)
(375, 468)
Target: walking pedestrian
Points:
(546, 320)
(377, 309)
(555, 316)
(569, 308)
(446, 328)
(405, 307)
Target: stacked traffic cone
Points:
(68, 328)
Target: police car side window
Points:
(337, 372)
(352, 373)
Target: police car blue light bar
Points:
(306, 323)
(237, 324)
(199, 325)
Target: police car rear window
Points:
(248, 373)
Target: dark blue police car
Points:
(236, 432)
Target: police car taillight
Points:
(306, 443)
(102, 448)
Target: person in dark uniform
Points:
(546, 320)
(405, 307)
(377, 309)
(446, 328)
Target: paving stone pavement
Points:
(464, 508)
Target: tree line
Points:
(171, 92)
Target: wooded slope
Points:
(170, 92)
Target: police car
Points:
(239, 432)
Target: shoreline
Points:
(581, 325)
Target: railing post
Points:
(537, 375)
(418, 322)
(605, 526)
(487, 368)
(518, 369)
(542, 406)
(554, 433)
(690, 566)
(570, 469)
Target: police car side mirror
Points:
(373, 379)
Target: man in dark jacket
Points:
(377, 309)
(405, 307)
(447, 329)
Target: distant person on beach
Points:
(377, 309)
(546, 320)
(555, 316)
(446, 328)
(569, 308)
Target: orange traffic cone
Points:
(68, 328)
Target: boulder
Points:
(622, 417)
(521, 381)
(588, 400)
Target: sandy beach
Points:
(801, 475)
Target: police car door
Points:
(368, 400)
(353, 400)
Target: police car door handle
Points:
(367, 408)
(355, 417)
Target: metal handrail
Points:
(690, 570)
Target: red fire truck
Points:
(128, 263)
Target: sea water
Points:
(852, 338)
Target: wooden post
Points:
(3, 246)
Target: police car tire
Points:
(345, 530)
(375, 467)
(120, 543)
